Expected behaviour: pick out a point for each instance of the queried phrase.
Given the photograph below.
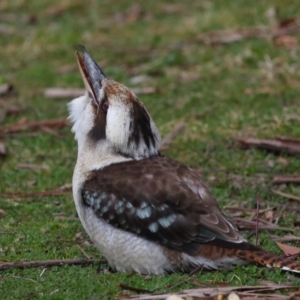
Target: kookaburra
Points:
(145, 212)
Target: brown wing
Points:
(161, 200)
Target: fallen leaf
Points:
(233, 296)
(285, 23)
(22, 121)
(7, 29)
(5, 89)
(174, 297)
(131, 15)
(284, 28)
(2, 149)
(57, 9)
(3, 212)
(288, 250)
(283, 161)
(31, 183)
(269, 215)
(286, 41)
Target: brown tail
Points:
(268, 259)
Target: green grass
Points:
(219, 91)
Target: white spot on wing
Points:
(104, 209)
(153, 227)
(129, 205)
(144, 213)
(167, 221)
(143, 204)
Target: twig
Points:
(83, 252)
(57, 93)
(230, 36)
(133, 289)
(48, 263)
(244, 224)
(18, 277)
(31, 126)
(172, 286)
(170, 136)
(286, 179)
(204, 293)
(196, 270)
(257, 218)
(35, 194)
(280, 144)
(3, 151)
(289, 196)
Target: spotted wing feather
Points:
(161, 200)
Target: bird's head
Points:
(109, 113)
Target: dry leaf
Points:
(57, 9)
(2, 149)
(288, 250)
(5, 89)
(286, 41)
(269, 215)
(283, 161)
(233, 296)
(285, 23)
(174, 297)
(3, 212)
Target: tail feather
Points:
(268, 259)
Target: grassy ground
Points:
(248, 88)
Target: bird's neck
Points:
(93, 156)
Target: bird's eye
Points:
(105, 105)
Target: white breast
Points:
(123, 250)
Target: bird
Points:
(145, 212)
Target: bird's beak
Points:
(91, 73)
